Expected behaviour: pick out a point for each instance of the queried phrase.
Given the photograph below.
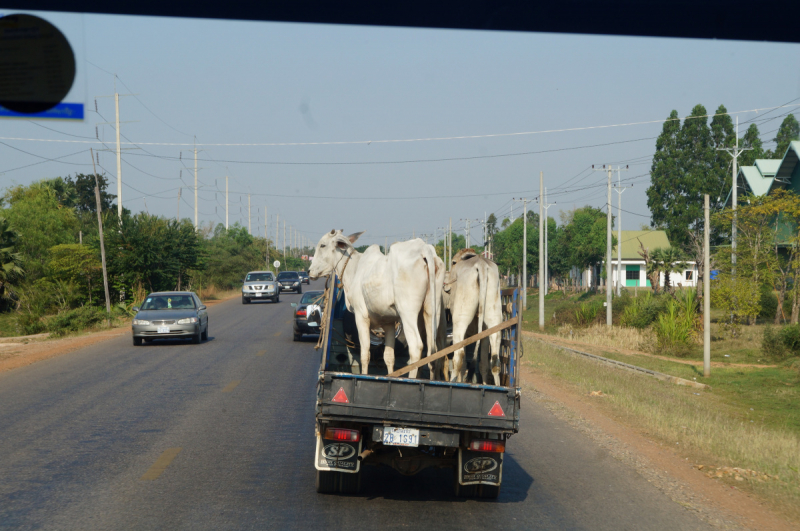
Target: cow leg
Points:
(459, 328)
(388, 347)
(363, 325)
(494, 341)
(482, 350)
(413, 338)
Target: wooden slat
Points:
(444, 352)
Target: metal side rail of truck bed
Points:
(411, 424)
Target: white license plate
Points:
(258, 294)
(313, 324)
(400, 436)
(163, 330)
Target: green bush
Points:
(769, 303)
(29, 323)
(790, 336)
(782, 342)
(75, 320)
(674, 327)
(643, 310)
(588, 311)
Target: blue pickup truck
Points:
(411, 424)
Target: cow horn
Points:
(333, 231)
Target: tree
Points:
(72, 262)
(10, 260)
(751, 140)
(84, 191)
(669, 260)
(789, 131)
(508, 248)
(585, 236)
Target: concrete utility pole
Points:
(734, 153)
(541, 250)
(608, 244)
(118, 150)
(706, 297)
(450, 244)
(546, 207)
(524, 283)
(102, 242)
(249, 217)
(284, 240)
(196, 226)
(619, 190)
(266, 233)
(226, 203)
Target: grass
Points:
(716, 427)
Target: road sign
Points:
(304, 257)
(276, 264)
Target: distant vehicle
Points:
(260, 285)
(304, 276)
(170, 314)
(290, 281)
(308, 314)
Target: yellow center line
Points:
(231, 386)
(277, 334)
(261, 352)
(161, 464)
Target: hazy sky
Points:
(259, 83)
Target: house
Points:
(770, 174)
(634, 271)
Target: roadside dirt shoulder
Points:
(723, 506)
(14, 355)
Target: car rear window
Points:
(288, 275)
(168, 302)
(312, 297)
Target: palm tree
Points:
(670, 260)
(10, 260)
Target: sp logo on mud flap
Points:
(480, 465)
(337, 451)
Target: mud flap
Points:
(338, 456)
(479, 468)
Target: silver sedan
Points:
(170, 314)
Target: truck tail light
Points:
(301, 313)
(341, 434)
(481, 445)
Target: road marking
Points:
(231, 386)
(161, 464)
(261, 352)
(277, 334)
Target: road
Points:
(220, 436)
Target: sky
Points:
(393, 131)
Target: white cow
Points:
(382, 289)
(472, 293)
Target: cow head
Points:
(331, 249)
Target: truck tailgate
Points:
(378, 399)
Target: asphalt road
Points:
(221, 436)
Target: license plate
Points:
(400, 436)
(258, 294)
(313, 324)
(163, 330)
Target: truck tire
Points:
(245, 300)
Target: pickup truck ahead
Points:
(411, 424)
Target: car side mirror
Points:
(202, 307)
(135, 308)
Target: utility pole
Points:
(734, 153)
(541, 250)
(524, 283)
(706, 297)
(608, 244)
(619, 189)
(266, 233)
(249, 217)
(118, 150)
(195, 186)
(450, 244)
(546, 207)
(226, 203)
(102, 242)
(284, 240)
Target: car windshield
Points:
(312, 297)
(258, 277)
(168, 302)
(288, 275)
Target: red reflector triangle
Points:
(496, 410)
(340, 396)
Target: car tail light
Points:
(341, 434)
(481, 445)
(301, 313)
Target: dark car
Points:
(290, 281)
(304, 276)
(305, 320)
(170, 314)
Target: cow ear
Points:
(353, 237)
(342, 245)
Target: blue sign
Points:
(714, 274)
(62, 111)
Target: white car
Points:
(260, 285)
